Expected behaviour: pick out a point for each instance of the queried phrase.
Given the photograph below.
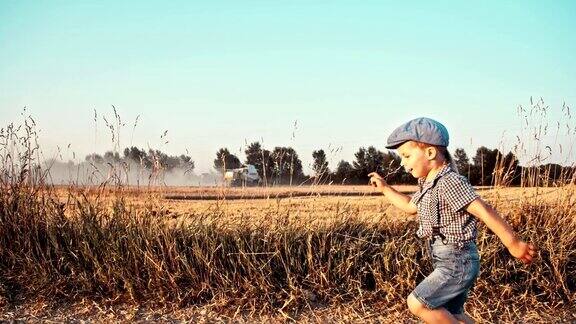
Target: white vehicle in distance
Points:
(242, 177)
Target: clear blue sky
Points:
(223, 73)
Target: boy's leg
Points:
(463, 318)
(443, 292)
(438, 315)
(456, 308)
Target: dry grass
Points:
(308, 258)
(314, 254)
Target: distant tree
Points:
(261, 159)
(320, 165)
(344, 173)
(254, 155)
(360, 165)
(568, 175)
(548, 174)
(158, 160)
(368, 160)
(484, 166)
(95, 158)
(287, 166)
(186, 163)
(462, 162)
(226, 160)
(507, 171)
(552, 171)
(135, 154)
(112, 157)
(375, 159)
(166, 162)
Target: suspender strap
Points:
(436, 227)
(436, 202)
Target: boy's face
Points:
(415, 159)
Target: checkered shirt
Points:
(447, 195)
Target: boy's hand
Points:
(376, 180)
(522, 250)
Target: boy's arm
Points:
(397, 199)
(518, 248)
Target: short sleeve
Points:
(456, 191)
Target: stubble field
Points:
(312, 254)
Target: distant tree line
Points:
(488, 167)
(491, 167)
(282, 166)
(153, 160)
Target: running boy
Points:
(448, 210)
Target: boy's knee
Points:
(415, 306)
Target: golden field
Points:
(312, 254)
(306, 204)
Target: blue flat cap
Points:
(424, 130)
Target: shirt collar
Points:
(423, 184)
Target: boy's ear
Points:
(431, 153)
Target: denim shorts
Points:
(456, 267)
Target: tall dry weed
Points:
(82, 248)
